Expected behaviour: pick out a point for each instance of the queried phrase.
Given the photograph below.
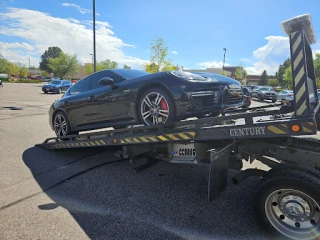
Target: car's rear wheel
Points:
(61, 124)
(156, 107)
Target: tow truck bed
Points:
(287, 200)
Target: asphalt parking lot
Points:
(83, 194)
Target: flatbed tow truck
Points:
(287, 200)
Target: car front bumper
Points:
(50, 89)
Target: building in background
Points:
(254, 79)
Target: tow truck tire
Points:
(287, 203)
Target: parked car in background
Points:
(267, 93)
(46, 79)
(36, 77)
(255, 90)
(57, 86)
(285, 95)
(121, 97)
(247, 97)
(1, 85)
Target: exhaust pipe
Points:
(247, 173)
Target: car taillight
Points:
(290, 94)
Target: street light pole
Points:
(224, 57)
(94, 35)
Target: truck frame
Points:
(281, 136)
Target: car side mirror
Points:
(106, 81)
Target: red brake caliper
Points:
(164, 105)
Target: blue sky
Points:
(196, 31)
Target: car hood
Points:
(220, 79)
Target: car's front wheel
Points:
(156, 107)
(61, 124)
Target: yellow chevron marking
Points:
(153, 139)
(284, 125)
(302, 108)
(192, 133)
(276, 130)
(296, 44)
(103, 142)
(172, 136)
(297, 60)
(162, 138)
(88, 144)
(301, 91)
(310, 123)
(136, 140)
(299, 76)
(183, 136)
(122, 141)
(128, 140)
(97, 142)
(144, 139)
(306, 129)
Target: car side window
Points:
(81, 86)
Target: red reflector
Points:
(290, 94)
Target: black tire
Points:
(274, 100)
(68, 128)
(45, 92)
(171, 106)
(296, 177)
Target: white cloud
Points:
(212, 64)
(270, 56)
(40, 31)
(80, 9)
(245, 60)
(174, 52)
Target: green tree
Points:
(126, 67)
(240, 73)
(64, 64)
(287, 77)
(273, 82)
(88, 69)
(151, 68)
(106, 64)
(158, 59)
(281, 71)
(52, 52)
(264, 78)
(21, 69)
(4, 65)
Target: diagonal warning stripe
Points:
(297, 60)
(276, 130)
(296, 43)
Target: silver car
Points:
(285, 95)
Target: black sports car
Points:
(121, 97)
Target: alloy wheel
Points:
(154, 109)
(60, 125)
(293, 213)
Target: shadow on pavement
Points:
(166, 201)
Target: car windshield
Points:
(129, 74)
(56, 82)
(265, 89)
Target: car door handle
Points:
(91, 98)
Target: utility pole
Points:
(94, 35)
